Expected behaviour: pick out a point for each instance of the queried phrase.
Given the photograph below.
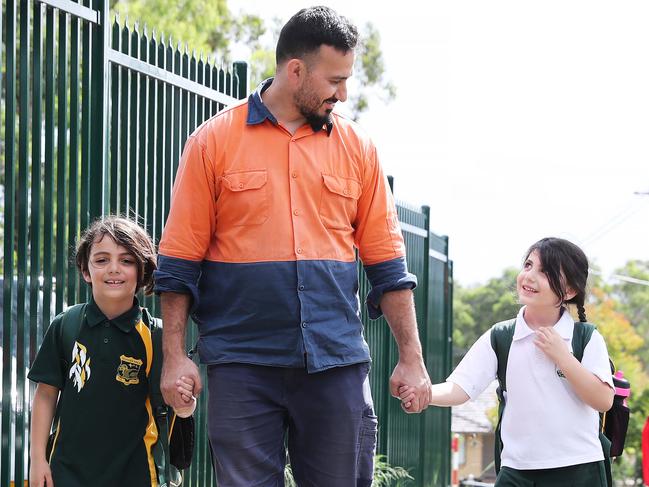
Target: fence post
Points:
(240, 69)
(99, 86)
(424, 439)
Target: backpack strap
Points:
(70, 326)
(502, 335)
(159, 408)
(580, 337)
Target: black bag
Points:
(616, 419)
(175, 445)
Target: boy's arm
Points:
(43, 408)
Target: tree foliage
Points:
(210, 28)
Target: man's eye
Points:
(128, 261)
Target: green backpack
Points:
(167, 462)
(502, 335)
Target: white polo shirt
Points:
(545, 424)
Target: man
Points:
(271, 198)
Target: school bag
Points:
(175, 446)
(501, 339)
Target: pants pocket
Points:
(367, 447)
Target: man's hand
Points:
(414, 375)
(40, 474)
(173, 368)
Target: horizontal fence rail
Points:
(94, 118)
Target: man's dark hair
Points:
(312, 27)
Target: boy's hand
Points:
(407, 395)
(172, 369)
(40, 474)
(185, 386)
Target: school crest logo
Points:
(80, 369)
(128, 370)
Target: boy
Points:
(105, 428)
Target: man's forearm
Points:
(399, 310)
(175, 311)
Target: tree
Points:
(209, 27)
(476, 308)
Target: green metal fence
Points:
(94, 117)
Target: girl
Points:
(550, 425)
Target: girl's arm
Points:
(590, 389)
(443, 394)
(43, 408)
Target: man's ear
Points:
(295, 70)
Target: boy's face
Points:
(112, 272)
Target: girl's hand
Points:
(185, 386)
(551, 343)
(40, 474)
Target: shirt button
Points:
(105, 340)
(295, 212)
(294, 175)
(240, 185)
(304, 323)
(299, 250)
(106, 325)
(301, 288)
(346, 191)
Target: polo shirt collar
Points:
(258, 112)
(564, 326)
(125, 322)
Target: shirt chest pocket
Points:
(339, 201)
(243, 199)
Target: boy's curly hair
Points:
(128, 234)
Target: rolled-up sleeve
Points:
(391, 275)
(177, 276)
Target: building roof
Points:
(471, 417)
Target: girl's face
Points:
(533, 286)
(112, 272)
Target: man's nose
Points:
(341, 92)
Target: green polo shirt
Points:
(105, 424)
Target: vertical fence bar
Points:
(152, 166)
(168, 140)
(159, 54)
(48, 203)
(21, 421)
(35, 217)
(133, 176)
(9, 235)
(61, 161)
(99, 113)
(84, 215)
(175, 128)
(115, 126)
(73, 181)
(121, 164)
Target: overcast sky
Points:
(514, 120)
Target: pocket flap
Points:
(347, 187)
(243, 180)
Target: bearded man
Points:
(272, 198)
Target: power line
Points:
(620, 277)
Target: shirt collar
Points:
(258, 112)
(125, 322)
(564, 326)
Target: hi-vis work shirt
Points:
(545, 423)
(263, 230)
(106, 427)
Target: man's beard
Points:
(305, 102)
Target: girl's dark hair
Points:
(566, 266)
(312, 27)
(128, 234)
